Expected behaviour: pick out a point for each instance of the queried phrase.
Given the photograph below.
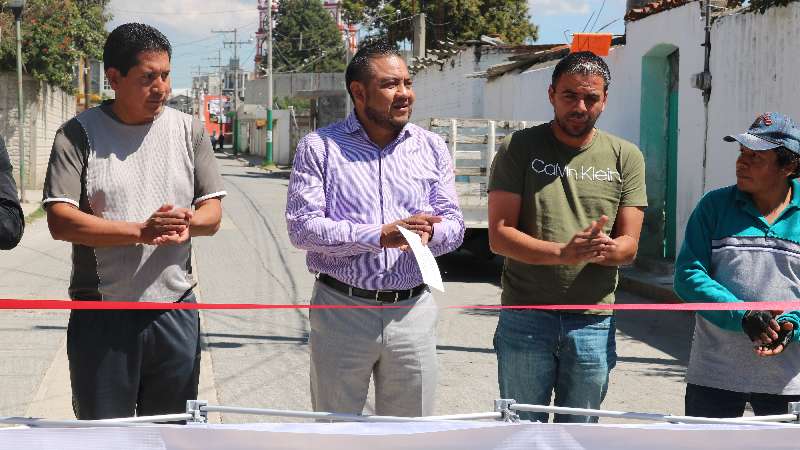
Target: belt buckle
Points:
(378, 294)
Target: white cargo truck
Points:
(473, 144)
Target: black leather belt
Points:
(383, 296)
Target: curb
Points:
(656, 288)
(206, 386)
(274, 169)
(29, 210)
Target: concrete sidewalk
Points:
(33, 200)
(33, 360)
(257, 161)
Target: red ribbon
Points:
(114, 305)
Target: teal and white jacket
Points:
(731, 254)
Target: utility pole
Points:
(264, 39)
(348, 105)
(197, 91)
(268, 152)
(16, 7)
(418, 50)
(235, 43)
(87, 83)
(219, 66)
(349, 45)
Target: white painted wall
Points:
(683, 28)
(523, 96)
(255, 139)
(520, 97)
(756, 68)
(447, 92)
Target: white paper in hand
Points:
(425, 260)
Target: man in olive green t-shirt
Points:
(566, 204)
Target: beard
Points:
(385, 120)
(570, 130)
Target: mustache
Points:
(577, 116)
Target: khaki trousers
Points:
(396, 346)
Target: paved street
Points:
(260, 358)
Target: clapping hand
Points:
(168, 225)
(589, 245)
(421, 224)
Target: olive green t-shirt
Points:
(563, 189)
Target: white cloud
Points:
(184, 20)
(558, 7)
(188, 25)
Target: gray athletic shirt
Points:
(126, 172)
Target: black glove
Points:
(756, 322)
(784, 337)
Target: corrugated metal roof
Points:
(653, 8)
(444, 55)
(523, 61)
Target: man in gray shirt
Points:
(11, 221)
(129, 183)
(742, 244)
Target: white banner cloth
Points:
(405, 436)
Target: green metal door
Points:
(658, 140)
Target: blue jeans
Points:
(542, 351)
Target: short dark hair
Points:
(124, 44)
(785, 157)
(583, 63)
(358, 69)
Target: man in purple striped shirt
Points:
(353, 184)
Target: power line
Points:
(250, 55)
(204, 50)
(609, 24)
(430, 22)
(285, 60)
(287, 37)
(184, 13)
(192, 42)
(587, 22)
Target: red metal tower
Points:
(348, 30)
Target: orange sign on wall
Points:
(214, 113)
(597, 43)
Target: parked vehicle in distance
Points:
(473, 144)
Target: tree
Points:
(446, 19)
(306, 38)
(759, 5)
(54, 37)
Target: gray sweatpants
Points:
(396, 346)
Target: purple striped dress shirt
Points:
(343, 187)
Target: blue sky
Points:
(188, 25)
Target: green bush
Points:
(55, 35)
